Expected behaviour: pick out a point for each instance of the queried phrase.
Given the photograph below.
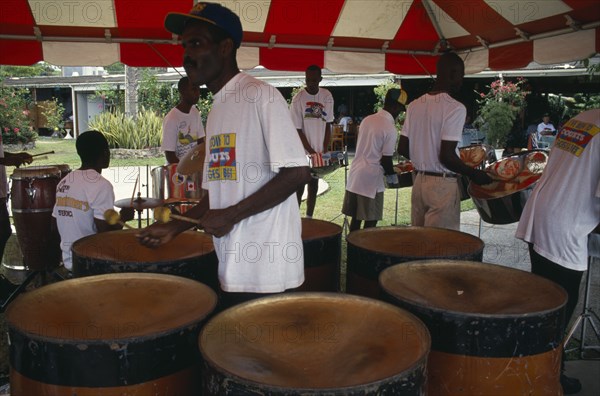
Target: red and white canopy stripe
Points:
(398, 36)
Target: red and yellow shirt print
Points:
(575, 136)
(222, 161)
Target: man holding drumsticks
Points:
(254, 164)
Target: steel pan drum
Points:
(33, 195)
(117, 334)
(314, 343)
(191, 255)
(372, 250)
(494, 330)
(322, 242)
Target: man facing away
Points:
(312, 113)
(254, 164)
(431, 131)
(83, 196)
(376, 144)
(182, 126)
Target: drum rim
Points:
(462, 313)
(55, 172)
(101, 341)
(373, 230)
(421, 360)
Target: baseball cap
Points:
(398, 95)
(213, 13)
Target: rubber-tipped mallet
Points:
(113, 217)
(163, 215)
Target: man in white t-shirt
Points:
(564, 208)
(83, 196)
(312, 113)
(255, 163)
(182, 126)
(376, 144)
(7, 159)
(545, 132)
(431, 132)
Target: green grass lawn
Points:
(329, 204)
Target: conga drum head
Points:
(123, 246)
(425, 242)
(99, 307)
(314, 341)
(35, 172)
(471, 288)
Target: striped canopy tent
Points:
(347, 36)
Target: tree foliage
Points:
(15, 122)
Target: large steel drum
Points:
(494, 330)
(314, 344)
(116, 334)
(33, 195)
(322, 242)
(191, 255)
(372, 250)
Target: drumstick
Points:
(164, 215)
(47, 152)
(134, 187)
(41, 158)
(113, 217)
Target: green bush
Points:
(123, 131)
(14, 116)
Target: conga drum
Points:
(115, 334)
(494, 330)
(33, 195)
(372, 250)
(322, 242)
(191, 255)
(64, 169)
(314, 343)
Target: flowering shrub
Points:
(14, 116)
(499, 108)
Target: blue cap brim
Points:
(175, 22)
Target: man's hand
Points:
(218, 222)
(127, 214)
(480, 177)
(156, 234)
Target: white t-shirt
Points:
(542, 126)
(311, 113)
(564, 206)
(345, 123)
(429, 120)
(250, 136)
(181, 131)
(376, 138)
(81, 196)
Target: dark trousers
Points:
(569, 279)
(5, 229)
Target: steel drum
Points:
(494, 330)
(191, 255)
(116, 334)
(372, 250)
(502, 202)
(322, 243)
(33, 195)
(314, 344)
(475, 156)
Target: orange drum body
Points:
(492, 331)
(117, 334)
(322, 242)
(372, 250)
(191, 255)
(33, 195)
(314, 344)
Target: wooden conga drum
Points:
(494, 330)
(322, 242)
(116, 334)
(191, 255)
(372, 250)
(33, 195)
(314, 343)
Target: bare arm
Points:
(327, 138)
(388, 165)
(404, 147)
(219, 222)
(451, 161)
(16, 159)
(304, 141)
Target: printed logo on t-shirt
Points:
(315, 110)
(575, 136)
(222, 164)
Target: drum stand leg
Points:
(20, 288)
(587, 316)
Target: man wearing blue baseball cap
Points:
(254, 163)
